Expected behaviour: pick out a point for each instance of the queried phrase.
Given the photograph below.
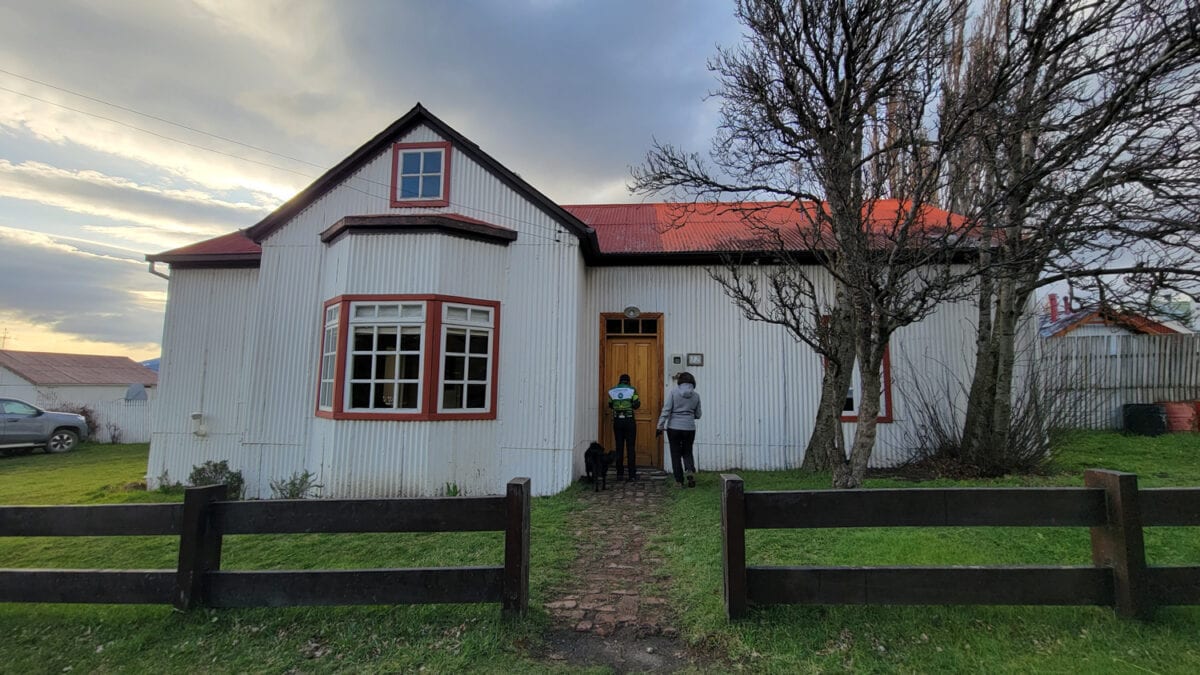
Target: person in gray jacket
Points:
(678, 419)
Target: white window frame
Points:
(329, 348)
(421, 174)
(479, 320)
(412, 323)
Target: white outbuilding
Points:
(421, 318)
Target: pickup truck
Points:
(24, 426)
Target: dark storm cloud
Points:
(77, 289)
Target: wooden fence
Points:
(204, 518)
(1089, 379)
(1111, 505)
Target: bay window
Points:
(408, 358)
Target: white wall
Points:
(760, 388)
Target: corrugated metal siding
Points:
(760, 387)
(536, 279)
(206, 338)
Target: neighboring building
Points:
(46, 378)
(116, 388)
(420, 317)
(1101, 320)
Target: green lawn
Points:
(93, 638)
(923, 639)
(85, 638)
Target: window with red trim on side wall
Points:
(393, 357)
(854, 394)
(420, 174)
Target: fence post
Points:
(733, 544)
(1119, 544)
(199, 545)
(515, 593)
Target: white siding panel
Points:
(206, 340)
(760, 387)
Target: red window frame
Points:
(885, 416)
(431, 352)
(398, 149)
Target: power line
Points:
(552, 229)
(155, 117)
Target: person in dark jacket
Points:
(622, 401)
(678, 419)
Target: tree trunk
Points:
(826, 447)
(851, 474)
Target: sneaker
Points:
(691, 481)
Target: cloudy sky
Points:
(135, 126)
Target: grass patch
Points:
(911, 639)
(106, 638)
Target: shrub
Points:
(89, 415)
(114, 432)
(166, 485)
(452, 490)
(297, 487)
(215, 473)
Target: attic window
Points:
(421, 174)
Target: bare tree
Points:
(1083, 165)
(830, 147)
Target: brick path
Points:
(616, 586)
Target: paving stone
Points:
(561, 604)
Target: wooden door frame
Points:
(602, 391)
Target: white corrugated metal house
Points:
(420, 317)
(116, 388)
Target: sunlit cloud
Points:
(188, 212)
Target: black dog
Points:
(596, 461)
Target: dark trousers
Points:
(681, 448)
(625, 434)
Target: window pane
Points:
(389, 310)
(385, 367)
(476, 395)
(433, 162)
(477, 369)
(364, 311)
(326, 394)
(387, 339)
(331, 314)
(410, 311)
(479, 343)
(408, 396)
(452, 396)
(456, 341)
(410, 163)
(410, 367)
(455, 367)
(410, 341)
(631, 326)
(360, 395)
(612, 326)
(364, 339)
(384, 395)
(327, 366)
(456, 313)
(361, 369)
(431, 186)
(410, 187)
(330, 339)
(481, 315)
(649, 325)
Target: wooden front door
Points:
(633, 347)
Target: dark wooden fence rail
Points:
(203, 519)
(1110, 504)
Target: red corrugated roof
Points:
(648, 228)
(716, 227)
(46, 368)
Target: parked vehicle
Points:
(24, 426)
